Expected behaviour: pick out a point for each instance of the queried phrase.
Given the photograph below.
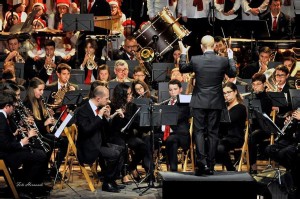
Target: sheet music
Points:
(185, 98)
(130, 121)
(63, 125)
(266, 116)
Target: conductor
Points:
(207, 99)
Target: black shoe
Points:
(118, 186)
(109, 187)
(208, 171)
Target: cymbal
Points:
(16, 28)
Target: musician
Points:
(257, 135)
(260, 66)
(13, 52)
(285, 150)
(178, 135)
(121, 70)
(135, 136)
(129, 26)
(63, 73)
(130, 48)
(11, 19)
(220, 45)
(103, 73)
(232, 134)
(141, 90)
(91, 62)
(207, 99)
(92, 122)
(48, 64)
(290, 63)
(10, 66)
(98, 8)
(252, 9)
(139, 73)
(44, 120)
(15, 152)
(280, 24)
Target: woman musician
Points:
(43, 120)
(134, 136)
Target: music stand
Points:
(278, 99)
(46, 95)
(160, 71)
(295, 98)
(252, 104)
(252, 29)
(266, 123)
(156, 115)
(141, 101)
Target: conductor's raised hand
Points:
(182, 48)
(229, 53)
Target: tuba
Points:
(147, 54)
(270, 80)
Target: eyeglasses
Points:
(226, 93)
(122, 70)
(280, 75)
(131, 46)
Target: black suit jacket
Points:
(42, 72)
(210, 70)
(90, 128)
(8, 143)
(284, 26)
(54, 88)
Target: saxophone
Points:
(60, 94)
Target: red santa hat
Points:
(8, 14)
(113, 2)
(40, 3)
(63, 3)
(40, 21)
(144, 24)
(129, 23)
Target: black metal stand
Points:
(212, 16)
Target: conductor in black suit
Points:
(92, 121)
(207, 99)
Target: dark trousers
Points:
(31, 162)
(205, 135)
(173, 142)
(255, 138)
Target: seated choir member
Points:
(43, 117)
(232, 134)
(91, 145)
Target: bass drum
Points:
(161, 33)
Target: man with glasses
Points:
(130, 48)
(121, 71)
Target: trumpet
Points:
(90, 64)
(19, 58)
(48, 66)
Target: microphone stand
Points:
(211, 16)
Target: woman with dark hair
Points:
(91, 61)
(43, 119)
(141, 90)
(133, 137)
(232, 133)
